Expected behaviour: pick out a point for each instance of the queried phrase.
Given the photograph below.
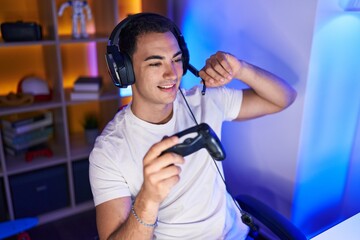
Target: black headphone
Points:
(119, 63)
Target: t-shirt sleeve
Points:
(227, 99)
(106, 179)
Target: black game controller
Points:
(204, 137)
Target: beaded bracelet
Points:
(141, 222)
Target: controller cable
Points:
(245, 217)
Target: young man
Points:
(141, 193)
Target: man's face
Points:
(158, 69)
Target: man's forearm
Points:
(141, 222)
(267, 85)
(132, 229)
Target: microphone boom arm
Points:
(194, 71)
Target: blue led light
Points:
(329, 125)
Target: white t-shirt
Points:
(198, 206)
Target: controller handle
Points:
(205, 138)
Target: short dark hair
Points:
(139, 26)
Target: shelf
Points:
(18, 164)
(65, 212)
(29, 108)
(26, 43)
(92, 38)
(106, 95)
(59, 60)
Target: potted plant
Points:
(91, 128)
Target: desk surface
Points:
(348, 229)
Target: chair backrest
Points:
(278, 224)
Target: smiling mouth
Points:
(167, 86)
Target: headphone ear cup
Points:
(129, 71)
(119, 67)
(112, 69)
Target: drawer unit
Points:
(39, 192)
(81, 181)
(3, 206)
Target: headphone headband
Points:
(119, 63)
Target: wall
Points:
(275, 35)
(305, 161)
(328, 173)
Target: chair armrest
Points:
(277, 223)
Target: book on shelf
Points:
(17, 120)
(75, 95)
(32, 123)
(27, 137)
(88, 84)
(13, 152)
(31, 143)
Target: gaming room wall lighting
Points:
(350, 5)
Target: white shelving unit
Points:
(58, 59)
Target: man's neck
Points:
(153, 114)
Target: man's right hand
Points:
(161, 172)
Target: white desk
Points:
(348, 229)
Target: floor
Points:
(78, 227)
